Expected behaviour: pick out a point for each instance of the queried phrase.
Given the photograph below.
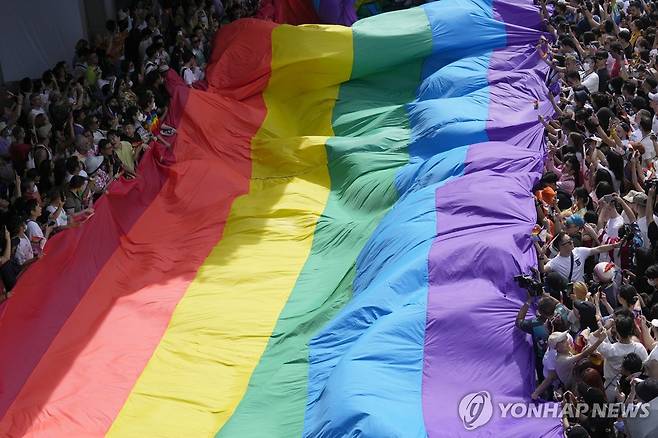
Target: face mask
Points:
(586, 66)
(651, 282)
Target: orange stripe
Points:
(83, 379)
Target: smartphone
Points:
(607, 198)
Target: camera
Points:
(630, 234)
(653, 182)
(534, 287)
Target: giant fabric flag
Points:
(326, 250)
(308, 11)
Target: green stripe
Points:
(372, 133)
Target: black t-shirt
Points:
(9, 274)
(604, 77)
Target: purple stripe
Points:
(337, 12)
(484, 219)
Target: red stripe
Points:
(125, 294)
(288, 11)
(49, 291)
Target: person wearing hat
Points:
(559, 361)
(637, 201)
(573, 225)
(609, 277)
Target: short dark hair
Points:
(76, 182)
(573, 75)
(549, 178)
(187, 56)
(555, 283)
(30, 205)
(603, 188)
(651, 272)
(629, 87)
(645, 123)
(72, 164)
(581, 193)
(546, 306)
(558, 239)
(624, 326)
(628, 293)
(647, 390)
(632, 363)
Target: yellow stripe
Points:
(219, 330)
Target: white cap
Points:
(93, 163)
(557, 337)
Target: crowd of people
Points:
(65, 137)
(595, 328)
(86, 122)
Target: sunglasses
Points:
(568, 242)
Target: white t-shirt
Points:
(614, 356)
(591, 82)
(562, 265)
(611, 231)
(24, 250)
(61, 220)
(649, 151)
(188, 76)
(564, 368)
(34, 232)
(644, 427)
(644, 229)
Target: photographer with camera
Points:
(537, 327)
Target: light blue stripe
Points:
(366, 365)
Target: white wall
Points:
(36, 34)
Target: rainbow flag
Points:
(327, 250)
